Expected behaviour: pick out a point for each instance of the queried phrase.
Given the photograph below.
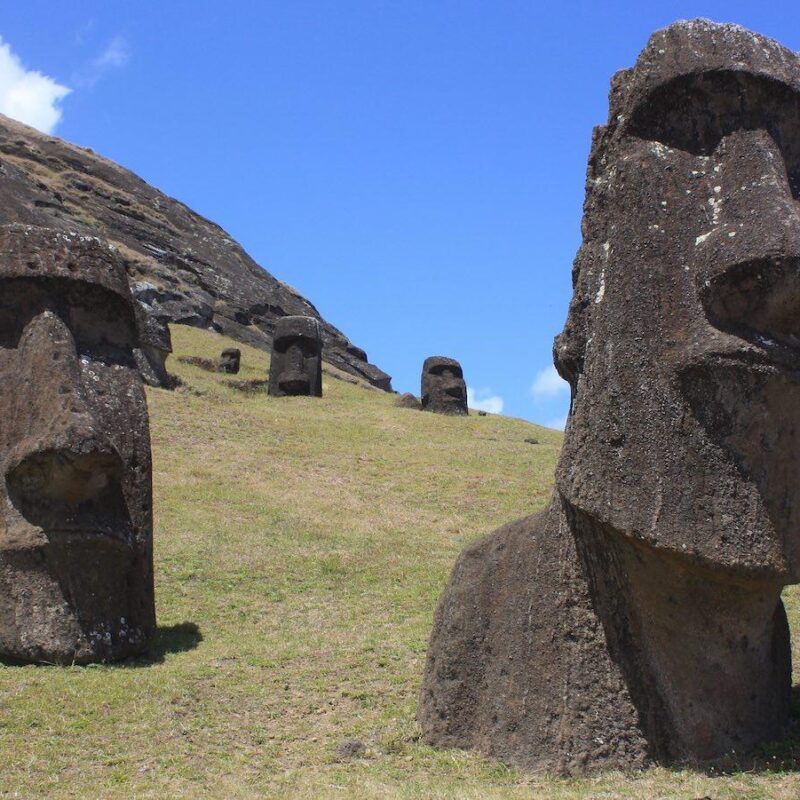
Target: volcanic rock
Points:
(229, 360)
(443, 387)
(296, 362)
(408, 400)
(639, 618)
(155, 345)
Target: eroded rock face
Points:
(229, 360)
(296, 364)
(443, 387)
(408, 400)
(76, 575)
(639, 619)
(155, 345)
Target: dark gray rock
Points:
(229, 360)
(296, 361)
(155, 345)
(443, 387)
(76, 569)
(639, 618)
(408, 400)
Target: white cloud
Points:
(27, 95)
(548, 383)
(115, 55)
(484, 400)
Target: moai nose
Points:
(61, 457)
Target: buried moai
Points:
(296, 363)
(638, 619)
(155, 345)
(443, 387)
(76, 573)
(229, 360)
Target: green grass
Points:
(301, 545)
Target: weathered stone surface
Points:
(229, 360)
(443, 387)
(76, 575)
(186, 268)
(155, 345)
(408, 400)
(639, 618)
(296, 362)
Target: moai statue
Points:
(155, 344)
(443, 387)
(296, 365)
(76, 563)
(638, 619)
(230, 359)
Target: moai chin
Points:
(443, 387)
(639, 618)
(76, 564)
(296, 363)
(155, 345)
(230, 359)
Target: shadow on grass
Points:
(167, 639)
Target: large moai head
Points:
(681, 344)
(296, 364)
(155, 345)
(76, 578)
(443, 387)
(229, 360)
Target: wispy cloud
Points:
(115, 55)
(27, 95)
(484, 400)
(548, 383)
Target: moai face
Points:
(76, 579)
(155, 345)
(685, 315)
(230, 359)
(443, 387)
(296, 365)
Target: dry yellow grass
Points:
(301, 545)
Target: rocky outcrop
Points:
(183, 267)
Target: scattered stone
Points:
(531, 440)
(198, 361)
(76, 569)
(350, 748)
(443, 387)
(408, 400)
(481, 413)
(639, 618)
(296, 364)
(252, 386)
(229, 360)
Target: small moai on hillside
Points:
(230, 360)
(443, 387)
(296, 363)
(76, 563)
(155, 345)
(639, 618)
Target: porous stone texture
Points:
(408, 400)
(184, 267)
(296, 362)
(639, 618)
(76, 574)
(229, 360)
(155, 345)
(443, 387)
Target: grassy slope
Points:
(307, 540)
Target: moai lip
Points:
(76, 573)
(296, 363)
(229, 360)
(639, 618)
(443, 387)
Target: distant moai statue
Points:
(639, 618)
(76, 563)
(230, 360)
(296, 363)
(155, 345)
(443, 387)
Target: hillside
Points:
(301, 545)
(186, 268)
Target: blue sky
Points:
(415, 168)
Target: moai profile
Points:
(76, 574)
(443, 387)
(229, 360)
(155, 345)
(639, 618)
(296, 364)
